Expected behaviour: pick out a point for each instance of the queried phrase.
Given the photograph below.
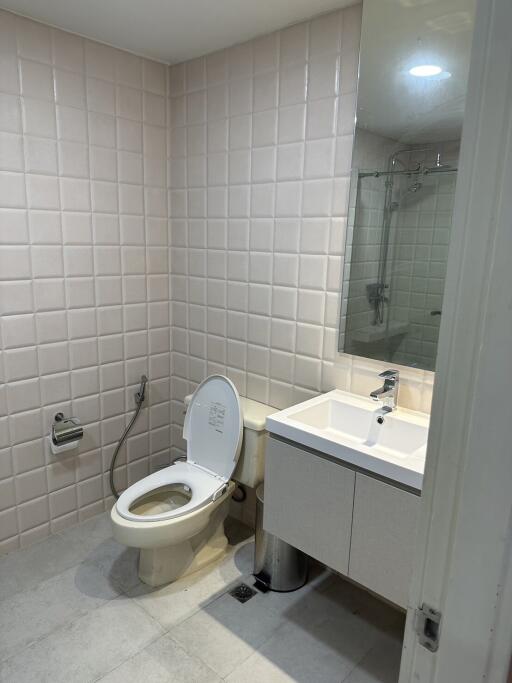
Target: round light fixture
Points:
(425, 70)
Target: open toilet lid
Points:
(213, 426)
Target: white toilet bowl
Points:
(176, 515)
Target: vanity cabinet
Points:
(308, 503)
(383, 536)
(352, 522)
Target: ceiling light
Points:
(425, 70)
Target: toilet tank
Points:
(251, 463)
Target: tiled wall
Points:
(259, 141)
(84, 292)
(260, 155)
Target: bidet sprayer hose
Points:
(140, 395)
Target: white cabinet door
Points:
(383, 536)
(308, 503)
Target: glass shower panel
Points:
(399, 254)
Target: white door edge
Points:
(463, 548)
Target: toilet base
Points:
(158, 566)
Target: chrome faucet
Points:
(388, 392)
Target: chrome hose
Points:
(139, 400)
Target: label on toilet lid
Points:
(214, 426)
(217, 413)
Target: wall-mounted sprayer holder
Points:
(66, 434)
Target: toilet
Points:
(176, 515)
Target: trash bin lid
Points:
(214, 426)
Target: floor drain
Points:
(242, 592)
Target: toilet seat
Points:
(204, 487)
(213, 429)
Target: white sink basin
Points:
(350, 428)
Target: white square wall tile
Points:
(294, 44)
(265, 90)
(317, 197)
(288, 199)
(12, 152)
(292, 121)
(263, 164)
(68, 50)
(292, 85)
(12, 190)
(75, 194)
(148, 148)
(266, 53)
(321, 118)
(42, 192)
(325, 34)
(15, 262)
(264, 128)
(73, 159)
(319, 158)
(47, 261)
(290, 161)
(34, 40)
(69, 88)
(262, 200)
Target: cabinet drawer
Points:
(308, 503)
(383, 538)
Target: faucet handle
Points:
(390, 374)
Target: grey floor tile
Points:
(173, 603)
(116, 562)
(321, 640)
(227, 632)
(293, 654)
(381, 664)
(85, 649)
(24, 569)
(32, 614)
(164, 661)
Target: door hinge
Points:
(428, 626)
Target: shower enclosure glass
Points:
(400, 219)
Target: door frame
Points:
(464, 543)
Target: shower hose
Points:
(139, 400)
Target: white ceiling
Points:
(171, 30)
(398, 34)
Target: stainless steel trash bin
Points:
(277, 565)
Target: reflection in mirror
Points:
(410, 109)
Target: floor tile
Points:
(381, 664)
(24, 569)
(72, 608)
(32, 614)
(174, 603)
(86, 649)
(227, 632)
(164, 661)
(116, 562)
(321, 640)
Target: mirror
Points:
(413, 71)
